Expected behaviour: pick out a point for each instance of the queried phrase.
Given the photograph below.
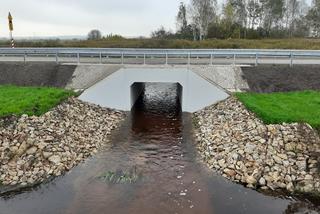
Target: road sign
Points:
(10, 22)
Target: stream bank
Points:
(242, 148)
(33, 149)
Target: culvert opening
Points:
(157, 98)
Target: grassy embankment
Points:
(16, 100)
(289, 107)
(299, 43)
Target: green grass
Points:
(289, 107)
(295, 43)
(30, 100)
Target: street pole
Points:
(11, 29)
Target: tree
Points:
(229, 20)
(182, 22)
(254, 9)
(295, 17)
(273, 12)
(314, 17)
(162, 33)
(301, 27)
(184, 30)
(94, 35)
(240, 12)
(202, 13)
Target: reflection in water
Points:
(156, 141)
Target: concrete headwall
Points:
(115, 90)
(228, 77)
(86, 76)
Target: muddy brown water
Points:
(156, 141)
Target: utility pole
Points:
(11, 30)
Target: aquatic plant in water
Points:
(120, 176)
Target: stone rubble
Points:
(33, 149)
(232, 141)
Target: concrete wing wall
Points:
(115, 90)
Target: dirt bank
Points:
(282, 78)
(35, 74)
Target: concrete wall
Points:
(136, 90)
(86, 76)
(227, 77)
(115, 90)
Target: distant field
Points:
(276, 108)
(310, 44)
(30, 100)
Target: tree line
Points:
(248, 19)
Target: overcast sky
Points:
(77, 17)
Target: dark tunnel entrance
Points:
(157, 98)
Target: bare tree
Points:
(182, 22)
(254, 9)
(292, 13)
(202, 13)
(314, 17)
(240, 11)
(273, 12)
(94, 35)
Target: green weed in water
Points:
(120, 177)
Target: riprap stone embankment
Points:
(242, 148)
(33, 149)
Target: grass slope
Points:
(276, 108)
(30, 100)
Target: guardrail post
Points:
(78, 58)
(189, 58)
(100, 56)
(211, 59)
(144, 59)
(122, 58)
(57, 58)
(25, 58)
(234, 59)
(291, 60)
(257, 59)
(167, 58)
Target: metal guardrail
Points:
(166, 54)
